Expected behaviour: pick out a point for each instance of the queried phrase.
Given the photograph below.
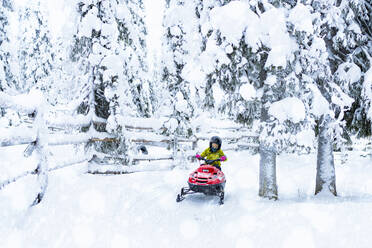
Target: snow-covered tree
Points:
(351, 52)
(250, 62)
(35, 53)
(367, 93)
(342, 34)
(110, 49)
(89, 51)
(312, 68)
(286, 78)
(232, 64)
(6, 76)
(181, 46)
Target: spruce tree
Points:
(110, 49)
(35, 53)
(181, 44)
(351, 53)
(6, 76)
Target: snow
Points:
(271, 80)
(122, 11)
(367, 87)
(83, 210)
(154, 123)
(206, 123)
(181, 103)
(60, 120)
(236, 18)
(211, 55)
(138, 208)
(175, 31)
(275, 36)
(90, 22)
(247, 91)
(341, 99)
(349, 72)
(27, 102)
(218, 94)
(305, 138)
(300, 16)
(13, 163)
(193, 72)
(17, 135)
(290, 108)
(320, 105)
(232, 19)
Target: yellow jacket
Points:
(207, 154)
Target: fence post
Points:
(194, 146)
(42, 151)
(174, 153)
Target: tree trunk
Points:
(268, 187)
(325, 171)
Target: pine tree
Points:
(312, 67)
(6, 77)
(317, 62)
(35, 54)
(351, 52)
(181, 43)
(132, 32)
(110, 48)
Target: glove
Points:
(197, 156)
(223, 158)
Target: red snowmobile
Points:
(206, 179)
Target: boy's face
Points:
(214, 145)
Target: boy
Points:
(213, 152)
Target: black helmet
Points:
(217, 140)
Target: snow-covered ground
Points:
(140, 210)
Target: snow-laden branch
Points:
(71, 121)
(27, 103)
(68, 139)
(141, 137)
(227, 136)
(144, 123)
(17, 136)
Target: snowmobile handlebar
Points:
(207, 161)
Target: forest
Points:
(85, 81)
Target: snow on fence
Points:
(33, 104)
(140, 132)
(36, 136)
(147, 132)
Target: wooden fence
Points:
(41, 133)
(36, 136)
(180, 149)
